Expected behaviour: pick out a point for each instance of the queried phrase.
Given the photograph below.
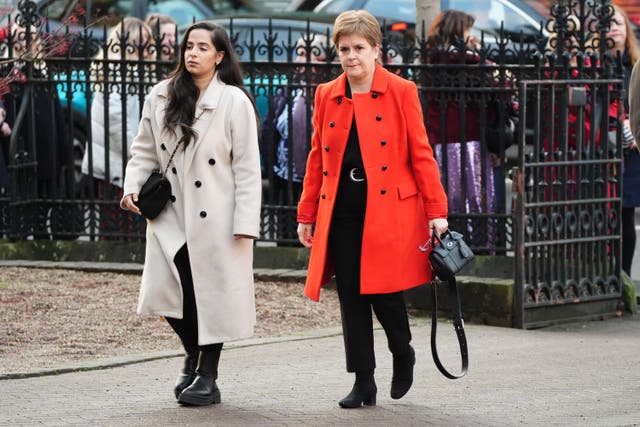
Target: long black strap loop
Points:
(458, 325)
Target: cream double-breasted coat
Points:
(217, 188)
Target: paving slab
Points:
(580, 374)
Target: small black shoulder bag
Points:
(448, 257)
(156, 191)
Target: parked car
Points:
(516, 15)
(251, 35)
(283, 27)
(107, 13)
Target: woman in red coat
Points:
(371, 195)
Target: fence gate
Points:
(566, 199)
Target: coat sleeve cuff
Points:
(433, 211)
(307, 212)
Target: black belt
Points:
(357, 175)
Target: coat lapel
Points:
(204, 116)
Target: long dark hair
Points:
(448, 28)
(183, 93)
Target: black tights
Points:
(187, 327)
(628, 238)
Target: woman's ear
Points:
(219, 57)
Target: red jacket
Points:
(403, 182)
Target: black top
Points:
(351, 200)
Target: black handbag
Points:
(450, 255)
(155, 192)
(447, 258)
(154, 195)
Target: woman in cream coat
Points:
(206, 291)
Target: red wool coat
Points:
(404, 190)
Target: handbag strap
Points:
(175, 150)
(458, 325)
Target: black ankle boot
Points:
(203, 390)
(402, 373)
(188, 373)
(363, 392)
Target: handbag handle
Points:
(171, 158)
(434, 236)
(458, 325)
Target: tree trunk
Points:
(426, 11)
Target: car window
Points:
(401, 10)
(55, 9)
(182, 11)
(107, 10)
(336, 7)
(490, 14)
(110, 11)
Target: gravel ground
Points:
(51, 317)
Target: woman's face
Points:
(357, 57)
(200, 56)
(168, 33)
(617, 32)
(20, 42)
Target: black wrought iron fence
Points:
(470, 96)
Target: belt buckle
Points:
(352, 175)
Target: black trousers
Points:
(628, 238)
(345, 242)
(187, 327)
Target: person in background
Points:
(53, 158)
(114, 123)
(198, 272)
(622, 41)
(286, 126)
(164, 29)
(465, 162)
(371, 196)
(5, 132)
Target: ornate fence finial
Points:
(28, 14)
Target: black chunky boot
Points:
(402, 373)
(363, 392)
(204, 391)
(188, 373)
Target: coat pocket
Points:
(407, 189)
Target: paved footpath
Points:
(582, 374)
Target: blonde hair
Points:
(319, 47)
(19, 40)
(19, 54)
(630, 43)
(569, 43)
(360, 23)
(156, 20)
(132, 47)
(133, 29)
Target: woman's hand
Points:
(305, 234)
(440, 224)
(128, 203)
